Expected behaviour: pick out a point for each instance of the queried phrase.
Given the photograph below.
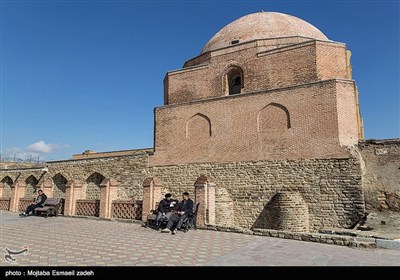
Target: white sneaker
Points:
(166, 230)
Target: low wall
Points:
(302, 194)
(331, 189)
(381, 174)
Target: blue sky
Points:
(79, 75)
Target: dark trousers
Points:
(31, 208)
(160, 218)
(174, 219)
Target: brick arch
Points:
(274, 117)
(60, 183)
(31, 184)
(7, 182)
(233, 79)
(93, 185)
(198, 126)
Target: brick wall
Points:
(252, 126)
(381, 174)
(266, 64)
(331, 61)
(348, 122)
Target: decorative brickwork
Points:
(88, 207)
(5, 203)
(24, 202)
(127, 209)
(123, 209)
(138, 209)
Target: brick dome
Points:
(262, 25)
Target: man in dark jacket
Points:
(164, 209)
(38, 203)
(183, 210)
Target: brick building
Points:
(262, 128)
(266, 86)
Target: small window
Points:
(233, 80)
(235, 42)
(236, 85)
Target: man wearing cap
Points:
(164, 209)
(184, 208)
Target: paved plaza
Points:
(63, 241)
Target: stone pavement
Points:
(63, 241)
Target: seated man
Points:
(38, 203)
(164, 209)
(184, 208)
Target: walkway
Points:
(62, 241)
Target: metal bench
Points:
(50, 207)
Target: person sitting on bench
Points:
(164, 209)
(38, 203)
(184, 208)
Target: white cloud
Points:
(42, 147)
(32, 153)
(18, 154)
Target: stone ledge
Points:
(342, 240)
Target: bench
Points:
(152, 217)
(50, 207)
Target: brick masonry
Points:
(305, 121)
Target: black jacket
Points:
(41, 199)
(186, 205)
(165, 206)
